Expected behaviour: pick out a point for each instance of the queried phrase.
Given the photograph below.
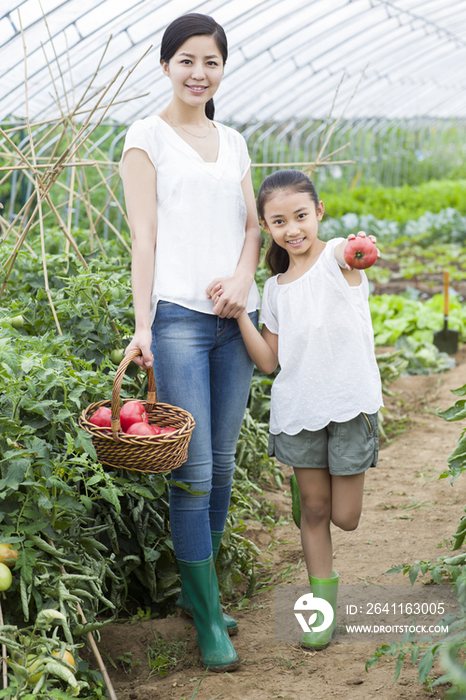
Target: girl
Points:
(323, 419)
(193, 222)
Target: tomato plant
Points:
(60, 507)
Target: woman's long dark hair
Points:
(276, 257)
(182, 29)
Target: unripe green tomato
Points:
(17, 321)
(31, 667)
(5, 577)
(116, 356)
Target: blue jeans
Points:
(201, 365)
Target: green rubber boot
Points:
(184, 603)
(200, 583)
(326, 588)
(295, 501)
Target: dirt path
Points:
(406, 476)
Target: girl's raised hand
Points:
(340, 249)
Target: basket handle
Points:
(118, 381)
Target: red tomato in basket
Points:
(132, 412)
(102, 417)
(142, 429)
(167, 430)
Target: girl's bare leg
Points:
(326, 498)
(347, 493)
(315, 487)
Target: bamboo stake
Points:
(48, 166)
(291, 165)
(21, 217)
(4, 666)
(75, 113)
(87, 202)
(4, 224)
(11, 260)
(70, 202)
(130, 71)
(104, 218)
(337, 121)
(112, 192)
(57, 99)
(61, 224)
(38, 192)
(78, 252)
(95, 72)
(329, 116)
(73, 171)
(329, 155)
(111, 198)
(68, 152)
(110, 104)
(56, 57)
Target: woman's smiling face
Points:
(195, 70)
(292, 220)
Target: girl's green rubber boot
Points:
(200, 583)
(326, 588)
(295, 501)
(184, 603)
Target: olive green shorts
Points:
(342, 448)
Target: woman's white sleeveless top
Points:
(201, 212)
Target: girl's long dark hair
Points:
(276, 257)
(182, 29)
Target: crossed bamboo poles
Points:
(44, 172)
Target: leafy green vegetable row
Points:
(397, 203)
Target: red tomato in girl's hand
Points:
(142, 429)
(360, 253)
(132, 412)
(102, 417)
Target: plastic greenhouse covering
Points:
(402, 59)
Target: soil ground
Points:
(406, 475)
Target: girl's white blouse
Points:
(328, 371)
(201, 212)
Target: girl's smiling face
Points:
(195, 70)
(292, 220)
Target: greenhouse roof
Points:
(398, 59)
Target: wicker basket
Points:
(161, 453)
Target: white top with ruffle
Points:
(328, 371)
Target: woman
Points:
(194, 230)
